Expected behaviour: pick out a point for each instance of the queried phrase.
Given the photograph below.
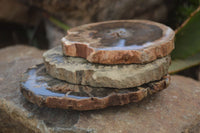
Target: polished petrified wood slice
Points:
(80, 71)
(41, 89)
(119, 41)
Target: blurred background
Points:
(42, 23)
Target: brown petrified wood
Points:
(119, 41)
(40, 88)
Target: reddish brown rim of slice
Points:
(95, 102)
(119, 41)
(41, 89)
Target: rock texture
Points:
(173, 110)
(40, 88)
(76, 13)
(16, 12)
(13, 11)
(119, 41)
(80, 71)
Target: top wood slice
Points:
(119, 41)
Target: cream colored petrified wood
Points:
(80, 71)
(41, 89)
(119, 41)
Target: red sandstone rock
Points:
(119, 41)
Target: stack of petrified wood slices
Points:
(102, 64)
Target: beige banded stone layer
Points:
(119, 41)
(79, 71)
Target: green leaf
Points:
(187, 44)
(181, 64)
(59, 23)
(187, 40)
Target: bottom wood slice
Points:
(41, 89)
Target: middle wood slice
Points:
(79, 71)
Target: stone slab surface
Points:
(173, 110)
(40, 88)
(80, 71)
(119, 41)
